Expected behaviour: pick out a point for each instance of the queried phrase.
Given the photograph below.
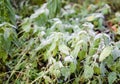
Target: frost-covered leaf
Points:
(94, 16)
(26, 25)
(102, 35)
(64, 49)
(116, 53)
(44, 43)
(105, 9)
(65, 72)
(112, 77)
(105, 53)
(88, 71)
(68, 10)
(89, 25)
(77, 48)
(7, 24)
(55, 68)
(118, 31)
(7, 33)
(40, 16)
(90, 18)
(40, 11)
(70, 59)
(98, 36)
(103, 69)
(47, 79)
(57, 25)
(52, 47)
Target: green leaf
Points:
(105, 53)
(72, 67)
(96, 70)
(88, 71)
(3, 55)
(10, 12)
(112, 77)
(82, 54)
(41, 19)
(54, 7)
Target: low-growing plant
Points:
(60, 48)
